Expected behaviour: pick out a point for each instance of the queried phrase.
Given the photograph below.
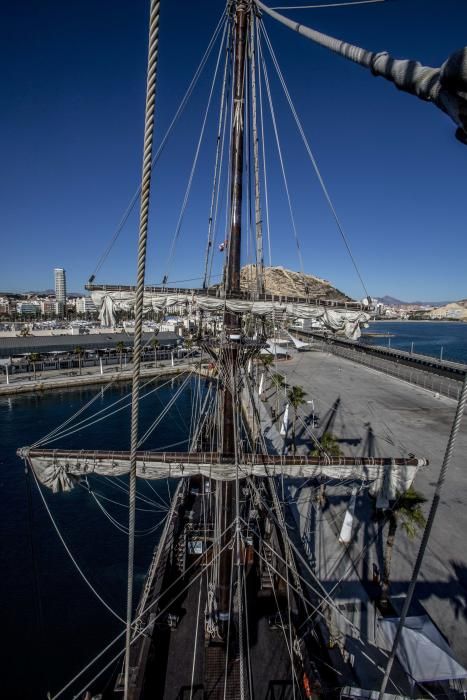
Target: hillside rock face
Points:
(283, 282)
(457, 311)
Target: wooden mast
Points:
(228, 352)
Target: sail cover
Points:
(61, 473)
(423, 652)
(347, 321)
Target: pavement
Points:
(59, 379)
(373, 414)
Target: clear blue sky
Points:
(71, 105)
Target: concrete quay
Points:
(373, 414)
(53, 380)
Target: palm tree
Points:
(120, 346)
(407, 513)
(79, 352)
(155, 345)
(328, 444)
(296, 398)
(278, 383)
(188, 343)
(34, 357)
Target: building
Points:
(48, 307)
(5, 306)
(60, 290)
(86, 306)
(28, 308)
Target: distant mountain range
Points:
(392, 301)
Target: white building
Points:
(28, 308)
(60, 289)
(85, 305)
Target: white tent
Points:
(422, 652)
(299, 344)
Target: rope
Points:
(313, 160)
(195, 162)
(263, 154)
(162, 145)
(258, 216)
(141, 269)
(426, 533)
(79, 570)
(279, 151)
(217, 163)
(331, 4)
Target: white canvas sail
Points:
(344, 320)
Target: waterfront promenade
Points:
(62, 379)
(373, 414)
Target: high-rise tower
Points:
(60, 290)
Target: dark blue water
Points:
(52, 623)
(427, 337)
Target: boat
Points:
(232, 606)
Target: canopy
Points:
(423, 652)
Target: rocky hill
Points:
(280, 281)
(456, 310)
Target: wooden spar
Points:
(218, 458)
(240, 294)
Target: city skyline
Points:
(392, 164)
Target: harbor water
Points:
(54, 624)
(437, 339)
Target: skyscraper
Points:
(60, 290)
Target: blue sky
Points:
(72, 103)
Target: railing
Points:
(436, 383)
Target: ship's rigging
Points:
(225, 535)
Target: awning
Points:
(423, 652)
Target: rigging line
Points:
(195, 160)
(165, 411)
(162, 500)
(279, 150)
(289, 648)
(325, 596)
(195, 645)
(75, 415)
(117, 484)
(313, 159)
(263, 148)
(331, 4)
(137, 635)
(427, 531)
(254, 127)
(79, 426)
(157, 509)
(79, 570)
(120, 527)
(162, 145)
(219, 146)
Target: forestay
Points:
(344, 321)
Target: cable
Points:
(159, 151)
(279, 151)
(331, 4)
(313, 159)
(81, 573)
(195, 162)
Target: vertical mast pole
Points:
(229, 353)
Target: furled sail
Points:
(60, 470)
(345, 320)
